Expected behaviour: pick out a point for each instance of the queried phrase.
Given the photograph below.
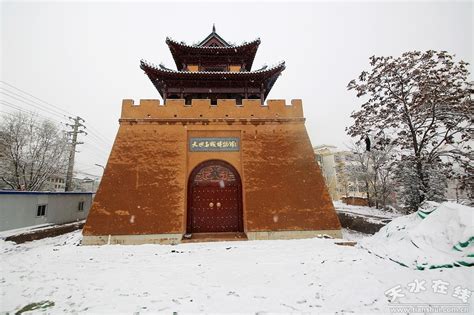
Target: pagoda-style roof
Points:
(213, 69)
(161, 76)
(239, 54)
(166, 72)
(213, 40)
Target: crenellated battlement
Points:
(167, 157)
(202, 108)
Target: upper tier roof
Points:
(230, 49)
(213, 53)
(213, 49)
(213, 40)
(188, 54)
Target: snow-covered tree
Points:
(360, 170)
(422, 101)
(376, 169)
(32, 151)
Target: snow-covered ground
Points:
(351, 235)
(365, 211)
(27, 229)
(311, 275)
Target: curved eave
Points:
(161, 76)
(172, 43)
(163, 73)
(178, 50)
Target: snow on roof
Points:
(162, 68)
(230, 47)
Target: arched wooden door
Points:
(214, 199)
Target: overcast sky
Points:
(83, 57)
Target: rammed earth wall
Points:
(144, 187)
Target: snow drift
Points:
(437, 236)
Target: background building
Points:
(55, 183)
(58, 184)
(86, 184)
(338, 168)
(29, 208)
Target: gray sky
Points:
(84, 56)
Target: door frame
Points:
(191, 176)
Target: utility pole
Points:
(72, 153)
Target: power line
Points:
(8, 104)
(37, 98)
(98, 135)
(18, 107)
(92, 146)
(54, 110)
(29, 103)
(93, 149)
(99, 139)
(29, 112)
(58, 113)
(97, 147)
(95, 134)
(86, 166)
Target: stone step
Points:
(215, 237)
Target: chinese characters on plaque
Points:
(214, 144)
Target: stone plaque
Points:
(214, 144)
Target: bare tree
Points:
(422, 99)
(375, 168)
(342, 176)
(382, 160)
(360, 170)
(33, 151)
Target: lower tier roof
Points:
(164, 78)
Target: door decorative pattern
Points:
(214, 199)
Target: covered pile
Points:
(437, 236)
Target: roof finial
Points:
(213, 27)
